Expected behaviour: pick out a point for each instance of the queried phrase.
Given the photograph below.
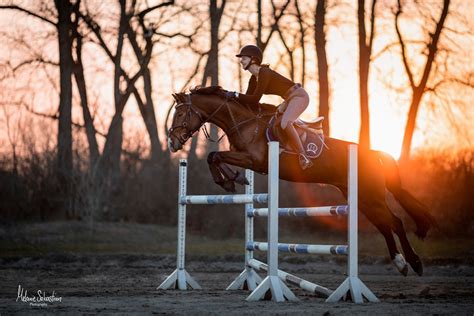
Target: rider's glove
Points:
(231, 94)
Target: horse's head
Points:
(186, 121)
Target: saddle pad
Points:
(312, 140)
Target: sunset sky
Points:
(441, 123)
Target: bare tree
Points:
(302, 31)
(323, 78)
(13, 125)
(211, 70)
(146, 106)
(277, 14)
(418, 89)
(124, 85)
(365, 51)
(64, 27)
(82, 88)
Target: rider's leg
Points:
(295, 142)
(296, 106)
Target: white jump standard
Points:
(280, 292)
(180, 278)
(352, 283)
(249, 278)
(274, 282)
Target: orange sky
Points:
(388, 108)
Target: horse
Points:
(245, 128)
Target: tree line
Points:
(132, 37)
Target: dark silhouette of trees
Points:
(365, 51)
(418, 89)
(323, 68)
(65, 26)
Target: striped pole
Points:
(338, 210)
(301, 248)
(224, 199)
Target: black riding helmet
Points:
(252, 51)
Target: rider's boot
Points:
(295, 142)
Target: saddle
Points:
(310, 132)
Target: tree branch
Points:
(148, 10)
(31, 13)
(402, 46)
(372, 26)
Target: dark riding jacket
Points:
(269, 82)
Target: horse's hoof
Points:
(241, 179)
(229, 186)
(417, 266)
(401, 264)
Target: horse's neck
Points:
(227, 115)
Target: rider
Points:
(267, 81)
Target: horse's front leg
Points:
(222, 174)
(237, 176)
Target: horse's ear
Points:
(175, 96)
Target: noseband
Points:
(189, 111)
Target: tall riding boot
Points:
(295, 141)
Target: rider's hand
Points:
(231, 94)
(282, 107)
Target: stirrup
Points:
(305, 163)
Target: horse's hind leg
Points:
(382, 218)
(412, 258)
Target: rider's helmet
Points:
(253, 52)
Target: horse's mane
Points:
(220, 92)
(214, 90)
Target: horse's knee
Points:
(211, 158)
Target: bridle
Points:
(191, 110)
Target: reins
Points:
(203, 121)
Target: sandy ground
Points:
(126, 284)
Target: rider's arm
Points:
(252, 85)
(262, 83)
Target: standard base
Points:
(248, 277)
(280, 292)
(357, 289)
(293, 279)
(179, 279)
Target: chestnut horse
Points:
(245, 129)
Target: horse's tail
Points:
(417, 210)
